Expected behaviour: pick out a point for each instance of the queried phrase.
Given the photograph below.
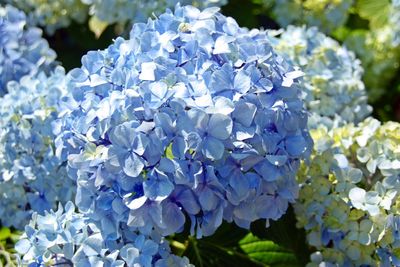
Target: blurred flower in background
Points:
(333, 91)
(348, 198)
(23, 50)
(32, 178)
(327, 15)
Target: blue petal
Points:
(244, 113)
(173, 218)
(242, 82)
(220, 126)
(93, 245)
(133, 165)
(157, 185)
(268, 171)
(189, 202)
(208, 200)
(212, 148)
(296, 145)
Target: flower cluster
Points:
(23, 50)
(52, 14)
(67, 238)
(327, 15)
(32, 178)
(120, 11)
(193, 117)
(333, 91)
(379, 51)
(378, 56)
(349, 195)
(55, 14)
(376, 46)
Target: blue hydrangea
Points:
(32, 178)
(349, 196)
(333, 90)
(23, 50)
(327, 15)
(192, 117)
(67, 238)
(120, 11)
(56, 14)
(52, 14)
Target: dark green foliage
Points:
(236, 247)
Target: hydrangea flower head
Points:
(68, 238)
(23, 50)
(56, 14)
(327, 15)
(193, 117)
(52, 14)
(349, 195)
(377, 47)
(333, 90)
(32, 178)
(120, 11)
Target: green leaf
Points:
(5, 233)
(240, 10)
(285, 234)
(267, 252)
(220, 249)
(233, 246)
(376, 11)
(341, 33)
(97, 26)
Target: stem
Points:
(196, 249)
